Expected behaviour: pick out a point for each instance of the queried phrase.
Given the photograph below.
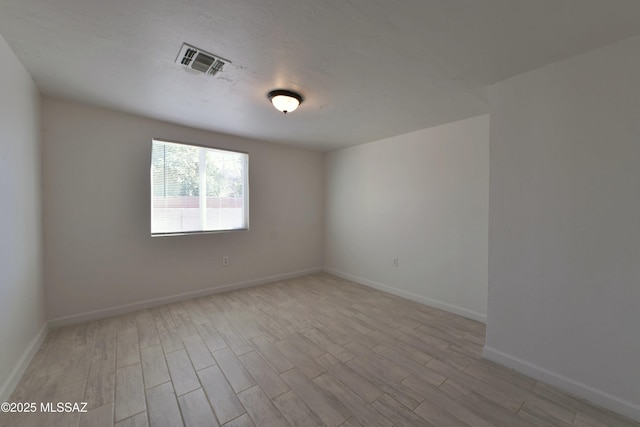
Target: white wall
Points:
(21, 283)
(98, 249)
(564, 242)
(421, 197)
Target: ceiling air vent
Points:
(199, 60)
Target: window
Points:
(198, 189)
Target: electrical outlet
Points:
(395, 261)
(225, 260)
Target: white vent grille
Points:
(200, 60)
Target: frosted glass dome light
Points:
(285, 100)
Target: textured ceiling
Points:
(368, 69)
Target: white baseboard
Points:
(128, 308)
(579, 389)
(14, 378)
(470, 314)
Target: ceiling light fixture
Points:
(285, 100)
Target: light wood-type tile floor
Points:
(311, 351)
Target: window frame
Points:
(185, 233)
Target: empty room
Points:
(319, 213)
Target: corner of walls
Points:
(100, 257)
(22, 294)
(421, 198)
(563, 232)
